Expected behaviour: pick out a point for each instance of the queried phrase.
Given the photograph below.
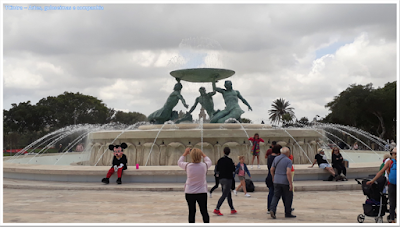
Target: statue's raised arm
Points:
(194, 105)
(244, 100)
(215, 88)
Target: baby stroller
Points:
(377, 201)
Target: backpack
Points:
(249, 185)
(393, 173)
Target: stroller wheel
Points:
(360, 218)
(379, 220)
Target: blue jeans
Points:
(226, 193)
(392, 201)
(270, 196)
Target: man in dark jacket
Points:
(226, 169)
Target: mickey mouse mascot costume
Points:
(119, 162)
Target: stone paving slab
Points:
(259, 186)
(99, 206)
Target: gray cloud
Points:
(121, 54)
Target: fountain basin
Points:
(163, 151)
(158, 174)
(167, 145)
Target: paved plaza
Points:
(100, 206)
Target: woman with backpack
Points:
(391, 166)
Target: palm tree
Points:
(280, 107)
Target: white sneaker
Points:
(210, 194)
(235, 192)
(251, 167)
(247, 195)
(259, 167)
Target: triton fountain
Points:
(157, 147)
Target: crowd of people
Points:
(279, 179)
(389, 169)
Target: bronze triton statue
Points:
(232, 108)
(165, 113)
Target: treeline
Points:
(24, 123)
(366, 108)
(361, 106)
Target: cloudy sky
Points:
(306, 53)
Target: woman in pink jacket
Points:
(196, 184)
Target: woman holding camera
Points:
(196, 184)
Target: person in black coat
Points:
(337, 162)
(119, 163)
(226, 169)
(216, 175)
(276, 150)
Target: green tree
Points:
(362, 106)
(70, 108)
(23, 124)
(245, 120)
(129, 118)
(22, 118)
(304, 121)
(348, 107)
(280, 107)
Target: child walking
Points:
(241, 170)
(255, 150)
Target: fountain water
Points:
(236, 121)
(130, 127)
(201, 132)
(324, 136)
(298, 145)
(155, 139)
(164, 144)
(357, 139)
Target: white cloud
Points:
(127, 89)
(22, 78)
(124, 54)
